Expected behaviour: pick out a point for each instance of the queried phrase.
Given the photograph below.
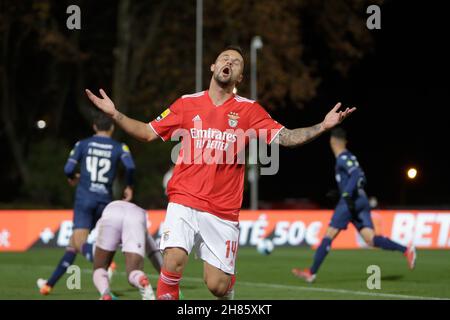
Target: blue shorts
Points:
(361, 219)
(86, 213)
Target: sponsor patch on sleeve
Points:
(163, 115)
(125, 148)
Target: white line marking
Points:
(288, 287)
(301, 288)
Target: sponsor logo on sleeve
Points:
(125, 148)
(163, 115)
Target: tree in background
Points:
(144, 53)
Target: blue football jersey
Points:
(98, 158)
(349, 175)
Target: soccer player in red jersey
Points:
(206, 190)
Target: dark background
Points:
(315, 54)
(402, 94)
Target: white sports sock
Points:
(135, 276)
(101, 280)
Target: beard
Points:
(224, 77)
(222, 81)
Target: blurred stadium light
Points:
(412, 173)
(41, 124)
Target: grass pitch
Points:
(342, 276)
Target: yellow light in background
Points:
(412, 173)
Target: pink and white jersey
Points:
(209, 174)
(123, 223)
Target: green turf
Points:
(343, 276)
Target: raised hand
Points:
(335, 117)
(105, 104)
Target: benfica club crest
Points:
(233, 119)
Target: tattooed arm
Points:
(297, 137)
(135, 128)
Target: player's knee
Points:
(369, 241)
(78, 239)
(331, 233)
(174, 261)
(218, 288)
(368, 235)
(75, 244)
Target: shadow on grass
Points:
(124, 292)
(393, 277)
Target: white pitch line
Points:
(360, 293)
(299, 288)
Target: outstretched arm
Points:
(297, 137)
(135, 128)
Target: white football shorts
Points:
(215, 240)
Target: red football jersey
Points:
(209, 174)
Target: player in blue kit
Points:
(98, 157)
(353, 207)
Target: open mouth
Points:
(226, 71)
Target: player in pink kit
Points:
(206, 190)
(122, 223)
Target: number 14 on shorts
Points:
(231, 246)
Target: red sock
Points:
(233, 280)
(168, 285)
(229, 295)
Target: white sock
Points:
(135, 276)
(101, 280)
